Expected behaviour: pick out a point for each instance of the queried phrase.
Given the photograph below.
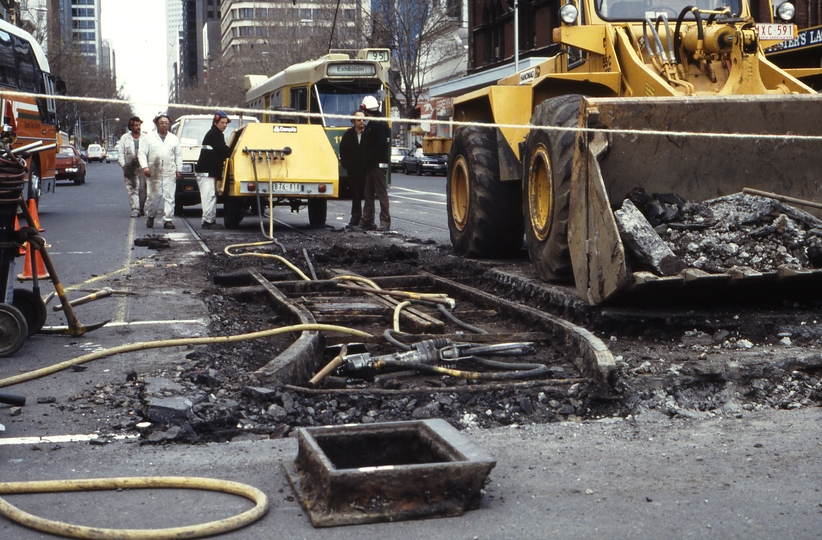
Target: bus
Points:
(332, 84)
(24, 68)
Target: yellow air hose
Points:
(23, 377)
(194, 531)
(265, 256)
(180, 482)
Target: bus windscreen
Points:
(343, 99)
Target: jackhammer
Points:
(424, 356)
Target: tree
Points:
(84, 79)
(421, 34)
(281, 38)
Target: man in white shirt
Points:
(128, 146)
(161, 159)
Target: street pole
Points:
(516, 36)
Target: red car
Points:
(70, 166)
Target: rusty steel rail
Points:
(296, 366)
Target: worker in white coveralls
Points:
(129, 146)
(162, 161)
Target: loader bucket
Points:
(697, 166)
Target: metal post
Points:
(516, 36)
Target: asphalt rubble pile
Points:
(736, 231)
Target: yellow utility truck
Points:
(655, 94)
(272, 165)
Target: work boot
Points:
(150, 222)
(368, 227)
(211, 225)
(169, 225)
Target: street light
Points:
(106, 133)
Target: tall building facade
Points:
(85, 28)
(174, 37)
(287, 26)
(196, 14)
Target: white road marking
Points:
(417, 200)
(201, 322)
(436, 193)
(60, 439)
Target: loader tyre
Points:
(547, 187)
(484, 213)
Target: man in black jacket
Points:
(351, 160)
(376, 150)
(210, 168)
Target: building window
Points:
(261, 31)
(246, 31)
(349, 14)
(245, 13)
(261, 13)
(305, 14)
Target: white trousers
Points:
(208, 198)
(161, 192)
(136, 188)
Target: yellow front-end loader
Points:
(669, 97)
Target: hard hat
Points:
(370, 103)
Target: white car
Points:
(191, 129)
(397, 153)
(95, 153)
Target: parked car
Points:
(397, 153)
(95, 153)
(191, 129)
(425, 164)
(112, 155)
(69, 165)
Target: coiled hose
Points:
(180, 482)
(193, 531)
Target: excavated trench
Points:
(690, 360)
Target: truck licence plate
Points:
(284, 187)
(775, 31)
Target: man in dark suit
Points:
(351, 155)
(376, 151)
